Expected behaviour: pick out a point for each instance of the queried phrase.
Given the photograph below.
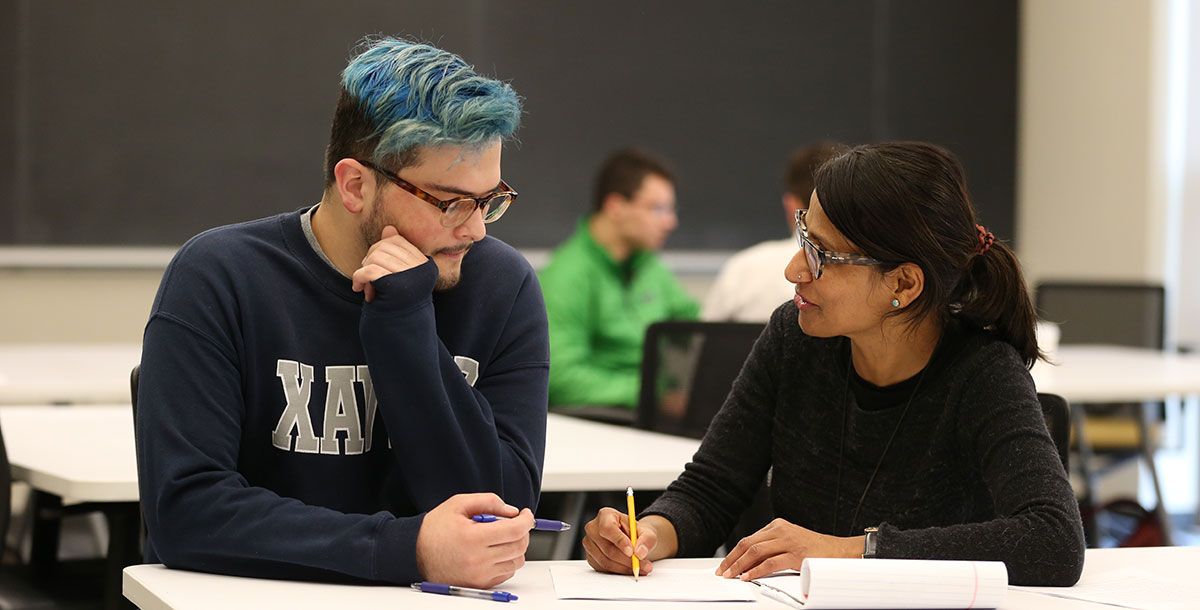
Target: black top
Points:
(972, 473)
(871, 397)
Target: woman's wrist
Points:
(853, 546)
(668, 543)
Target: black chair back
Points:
(1114, 314)
(5, 492)
(133, 396)
(133, 391)
(688, 368)
(1058, 421)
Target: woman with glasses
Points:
(890, 402)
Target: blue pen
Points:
(442, 589)
(549, 525)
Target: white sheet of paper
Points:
(665, 584)
(1129, 587)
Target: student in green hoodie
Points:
(605, 284)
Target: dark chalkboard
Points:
(143, 123)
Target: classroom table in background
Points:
(80, 454)
(1109, 373)
(66, 373)
(583, 455)
(86, 453)
(154, 587)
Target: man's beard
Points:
(371, 231)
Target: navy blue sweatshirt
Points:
(288, 429)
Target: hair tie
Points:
(986, 239)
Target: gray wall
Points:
(144, 123)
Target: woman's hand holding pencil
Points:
(608, 541)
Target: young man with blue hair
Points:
(332, 393)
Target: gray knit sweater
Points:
(971, 474)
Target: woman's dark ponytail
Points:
(992, 295)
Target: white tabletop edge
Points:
(137, 592)
(155, 587)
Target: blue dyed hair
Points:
(399, 97)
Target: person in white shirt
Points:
(751, 284)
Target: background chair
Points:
(136, 553)
(1058, 421)
(133, 391)
(688, 368)
(1098, 313)
(1125, 314)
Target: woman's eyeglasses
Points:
(817, 258)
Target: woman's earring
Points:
(895, 302)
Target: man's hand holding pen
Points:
(453, 548)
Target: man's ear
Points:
(791, 203)
(356, 184)
(907, 283)
(614, 205)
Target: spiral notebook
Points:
(828, 583)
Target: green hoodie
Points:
(598, 311)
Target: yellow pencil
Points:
(632, 531)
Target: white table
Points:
(65, 373)
(154, 587)
(583, 455)
(1105, 373)
(83, 453)
(87, 453)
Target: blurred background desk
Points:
(84, 456)
(88, 453)
(1106, 373)
(83, 453)
(584, 455)
(66, 373)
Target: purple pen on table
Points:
(444, 589)
(548, 525)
